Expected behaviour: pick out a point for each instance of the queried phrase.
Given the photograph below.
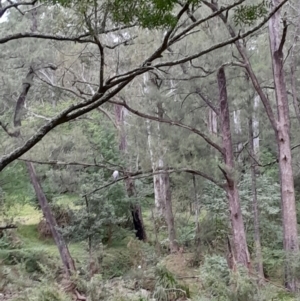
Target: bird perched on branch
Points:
(115, 175)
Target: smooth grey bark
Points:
(197, 212)
(255, 126)
(162, 189)
(212, 122)
(257, 242)
(238, 130)
(157, 180)
(168, 212)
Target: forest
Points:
(149, 150)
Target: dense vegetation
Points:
(149, 150)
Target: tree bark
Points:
(136, 211)
(66, 258)
(169, 214)
(281, 129)
(197, 211)
(238, 130)
(239, 235)
(253, 160)
(158, 190)
(290, 231)
(255, 127)
(212, 122)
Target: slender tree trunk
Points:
(136, 212)
(169, 214)
(59, 240)
(212, 121)
(257, 244)
(239, 235)
(290, 232)
(66, 258)
(135, 208)
(164, 197)
(255, 126)
(238, 130)
(166, 189)
(158, 189)
(197, 211)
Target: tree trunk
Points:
(255, 127)
(237, 224)
(257, 244)
(136, 211)
(66, 258)
(238, 131)
(212, 122)
(281, 128)
(166, 188)
(169, 214)
(158, 189)
(197, 211)
(290, 232)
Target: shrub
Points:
(32, 258)
(222, 284)
(44, 292)
(115, 263)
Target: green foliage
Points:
(222, 284)
(115, 263)
(31, 258)
(185, 232)
(167, 287)
(10, 240)
(268, 194)
(148, 14)
(145, 13)
(248, 14)
(99, 215)
(273, 262)
(15, 186)
(44, 292)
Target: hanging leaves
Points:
(248, 14)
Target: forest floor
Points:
(30, 267)
(20, 274)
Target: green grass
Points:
(27, 218)
(66, 200)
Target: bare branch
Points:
(171, 122)
(137, 71)
(283, 38)
(72, 163)
(15, 5)
(10, 226)
(118, 84)
(18, 36)
(150, 173)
